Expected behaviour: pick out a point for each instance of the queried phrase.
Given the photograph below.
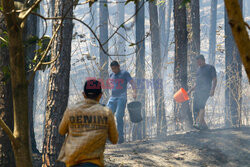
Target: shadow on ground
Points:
(221, 147)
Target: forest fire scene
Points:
(124, 83)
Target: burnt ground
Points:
(220, 147)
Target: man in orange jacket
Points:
(87, 124)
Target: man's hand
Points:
(212, 92)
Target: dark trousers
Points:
(200, 99)
(87, 164)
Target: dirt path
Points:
(222, 147)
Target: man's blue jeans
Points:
(118, 105)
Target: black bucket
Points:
(134, 109)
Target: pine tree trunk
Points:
(180, 66)
(104, 62)
(233, 90)
(140, 128)
(156, 67)
(58, 90)
(212, 32)
(6, 109)
(193, 45)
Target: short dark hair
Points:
(92, 88)
(200, 57)
(114, 63)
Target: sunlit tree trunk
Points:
(180, 66)
(20, 136)
(140, 128)
(6, 109)
(212, 32)
(239, 32)
(156, 67)
(233, 90)
(58, 90)
(103, 35)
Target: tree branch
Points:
(1, 38)
(247, 25)
(8, 131)
(124, 23)
(24, 15)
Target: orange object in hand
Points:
(181, 95)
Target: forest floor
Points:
(220, 147)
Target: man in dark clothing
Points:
(204, 87)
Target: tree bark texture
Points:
(28, 33)
(233, 90)
(19, 84)
(193, 45)
(58, 90)
(6, 109)
(156, 67)
(180, 66)
(140, 128)
(103, 35)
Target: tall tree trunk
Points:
(120, 41)
(193, 45)
(233, 96)
(30, 32)
(168, 19)
(19, 85)
(58, 90)
(140, 128)
(212, 32)
(104, 62)
(93, 24)
(156, 67)
(6, 109)
(162, 11)
(180, 65)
